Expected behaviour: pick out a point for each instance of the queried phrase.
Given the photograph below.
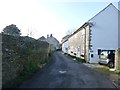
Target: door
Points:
(93, 58)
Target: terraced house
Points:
(98, 34)
(65, 44)
(51, 40)
(79, 42)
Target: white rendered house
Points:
(65, 46)
(104, 32)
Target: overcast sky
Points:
(44, 17)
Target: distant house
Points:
(51, 40)
(97, 34)
(42, 39)
(65, 45)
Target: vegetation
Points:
(11, 30)
(80, 60)
(22, 56)
(77, 58)
(106, 70)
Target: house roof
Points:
(65, 38)
(42, 38)
(103, 10)
(51, 38)
(87, 23)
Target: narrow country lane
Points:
(63, 72)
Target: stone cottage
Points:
(51, 40)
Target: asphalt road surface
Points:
(63, 72)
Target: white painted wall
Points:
(105, 31)
(119, 28)
(65, 47)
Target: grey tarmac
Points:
(64, 72)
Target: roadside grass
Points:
(106, 70)
(80, 60)
(22, 57)
(28, 74)
(77, 58)
(111, 75)
(31, 70)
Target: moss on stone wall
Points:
(117, 59)
(21, 56)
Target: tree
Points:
(70, 31)
(11, 30)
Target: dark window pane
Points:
(91, 55)
(99, 51)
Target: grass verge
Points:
(107, 70)
(77, 58)
(27, 74)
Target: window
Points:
(66, 49)
(91, 46)
(91, 55)
(78, 49)
(99, 51)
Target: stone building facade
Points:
(97, 34)
(117, 59)
(65, 44)
(79, 42)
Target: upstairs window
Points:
(91, 55)
(99, 51)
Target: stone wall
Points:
(117, 59)
(77, 43)
(21, 56)
(87, 46)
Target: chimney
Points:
(47, 36)
(51, 35)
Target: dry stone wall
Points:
(117, 59)
(20, 57)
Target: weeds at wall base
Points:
(22, 57)
(77, 58)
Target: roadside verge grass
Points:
(106, 70)
(74, 57)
